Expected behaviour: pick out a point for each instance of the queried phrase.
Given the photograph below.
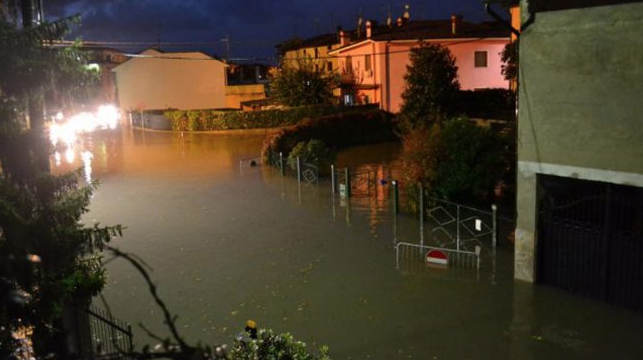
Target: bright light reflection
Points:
(58, 158)
(66, 132)
(70, 156)
(87, 157)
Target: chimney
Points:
(407, 13)
(343, 38)
(369, 30)
(399, 22)
(456, 22)
(360, 22)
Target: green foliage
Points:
(269, 345)
(46, 255)
(509, 57)
(301, 84)
(459, 161)
(338, 131)
(211, 120)
(499, 104)
(431, 85)
(314, 152)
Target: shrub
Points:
(458, 161)
(269, 345)
(314, 152)
(488, 104)
(338, 131)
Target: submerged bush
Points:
(458, 160)
(313, 152)
(337, 131)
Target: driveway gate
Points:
(591, 239)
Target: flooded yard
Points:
(230, 243)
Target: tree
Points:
(509, 57)
(301, 84)
(47, 257)
(431, 85)
(457, 160)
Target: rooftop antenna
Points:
(332, 21)
(360, 22)
(226, 40)
(316, 25)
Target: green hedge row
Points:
(208, 120)
(336, 131)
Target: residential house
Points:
(180, 80)
(373, 66)
(580, 154)
(105, 59)
(245, 82)
(315, 50)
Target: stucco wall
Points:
(581, 85)
(463, 50)
(193, 81)
(235, 94)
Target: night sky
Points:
(254, 26)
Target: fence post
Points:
(421, 211)
(332, 178)
(395, 197)
(298, 169)
(494, 228)
(281, 163)
(347, 181)
(457, 227)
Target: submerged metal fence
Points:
(111, 338)
(409, 256)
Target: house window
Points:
(480, 59)
(316, 53)
(367, 62)
(349, 65)
(329, 66)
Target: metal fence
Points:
(411, 257)
(110, 337)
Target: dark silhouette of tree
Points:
(431, 85)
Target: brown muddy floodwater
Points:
(230, 243)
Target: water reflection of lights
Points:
(70, 155)
(65, 133)
(87, 164)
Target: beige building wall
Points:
(171, 80)
(238, 93)
(580, 88)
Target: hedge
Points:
(337, 131)
(487, 103)
(213, 119)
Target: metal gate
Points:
(591, 239)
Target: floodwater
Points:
(229, 243)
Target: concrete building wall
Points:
(581, 85)
(236, 94)
(171, 80)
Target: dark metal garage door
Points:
(590, 239)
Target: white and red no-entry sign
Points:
(437, 257)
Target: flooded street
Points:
(230, 243)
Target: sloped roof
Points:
(441, 29)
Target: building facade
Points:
(580, 149)
(180, 80)
(373, 67)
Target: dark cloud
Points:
(254, 26)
